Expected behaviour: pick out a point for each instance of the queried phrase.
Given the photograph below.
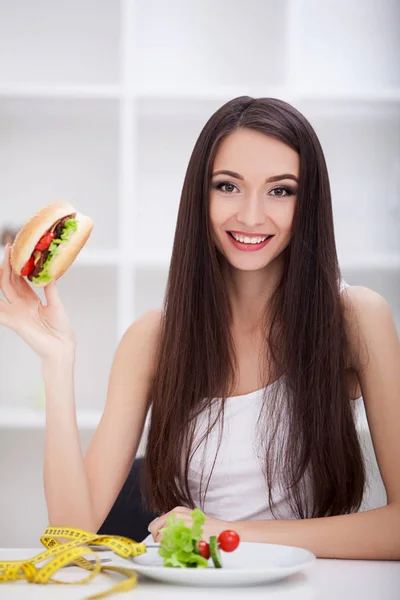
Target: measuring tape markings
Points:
(71, 553)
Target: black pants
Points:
(127, 516)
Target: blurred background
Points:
(101, 102)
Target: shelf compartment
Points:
(209, 43)
(164, 147)
(55, 149)
(56, 42)
(365, 42)
(149, 286)
(362, 156)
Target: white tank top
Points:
(237, 489)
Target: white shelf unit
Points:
(101, 103)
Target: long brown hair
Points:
(305, 341)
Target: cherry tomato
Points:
(228, 540)
(28, 267)
(45, 241)
(204, 549)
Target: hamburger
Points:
(49, 242)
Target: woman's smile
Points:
(244, 244)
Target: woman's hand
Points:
(211, 526)
(44, 327)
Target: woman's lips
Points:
(248, 247)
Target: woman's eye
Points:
(288, 191)
(220, 185)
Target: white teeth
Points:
(248, 240)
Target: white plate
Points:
(251, 563)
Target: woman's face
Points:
(253, 193)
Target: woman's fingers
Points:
(6, 284)
(53, 299)
(19, 286)
(23, 288)
(41, 326)
(180, 512)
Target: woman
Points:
(251, 368)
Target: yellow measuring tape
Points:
(60, 555)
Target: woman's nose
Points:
(252, 211)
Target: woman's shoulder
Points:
(359, 299)
(152, 320)
(152, 324)
(148, 325)
(365, 311)
(145, 332)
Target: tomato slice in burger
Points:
(45, 241)
(28, 267)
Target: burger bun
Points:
(31, 232)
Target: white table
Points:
(324, 580)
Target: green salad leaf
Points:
(179, 543)
(69, 228)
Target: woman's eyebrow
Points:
(269, 180)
